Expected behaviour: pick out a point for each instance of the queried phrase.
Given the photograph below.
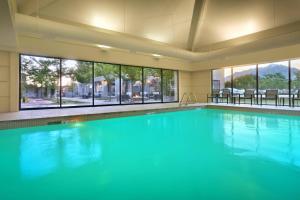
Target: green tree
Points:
(273, 81)
(41, 73)
(245, 82)
(296, 81)
(131, 74)
(228, 84)
(168, 82)
(155, 73)
(110, 73)
(83, 72)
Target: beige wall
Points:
(201, 84)
(198, 83)
(185, 82)
(271, 55)
(8, 81)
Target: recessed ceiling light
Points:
(156, 55)
(103, 46)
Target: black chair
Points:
(226, 94)
(215, 95)
(125, 97)
(248, 95)
(270, 95)
(296, 98)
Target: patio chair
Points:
(226, 94)
(125, 97)
(214, 95)
(271, 94)
(248, 95)
(296, 98)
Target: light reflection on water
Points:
(275, 138)
(42, 152)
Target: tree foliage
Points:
(110, 73)
(82, 73)
(168, 82)
(40, 72)
(296, 81)
(273, 81)
(131, 73)
(245, 82)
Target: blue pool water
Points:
(195, 154)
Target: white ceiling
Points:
(228, 19)
(169, 21)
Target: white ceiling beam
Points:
(8, 39)
(198, 7)
(269, 39)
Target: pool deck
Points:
(29, 118)
(285, 110)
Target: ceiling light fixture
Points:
(156, 55)
(103, 46)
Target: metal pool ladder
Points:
(189, 98)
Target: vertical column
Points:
(257, 84)
(289, 81)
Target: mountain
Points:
(262, 71)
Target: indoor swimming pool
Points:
(192, 154)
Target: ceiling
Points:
(229, 19)
(169, 21)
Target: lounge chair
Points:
(215, 95)
(248, 94)
(296, 98)
(271, 94)
(226, 94)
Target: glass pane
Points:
(152, 85)
(107, 84)
(295, 80)
(273, 77)
(77, 83)
(244, 82)
(170, 85)
(39, 82)
(221, 79)
(131, 85)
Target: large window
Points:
(244, 80)
(76, 81)
(170, 85)
(39, 82)
(152, 85)
(268, 83)
(295, 80)
(47, 82)
(106, 83)
(221, 79)
(274, 76)
(131, 85)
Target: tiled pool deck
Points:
(28, 118)
(51, 116)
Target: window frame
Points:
(93, 83)
(142, 76)
(289, 60)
